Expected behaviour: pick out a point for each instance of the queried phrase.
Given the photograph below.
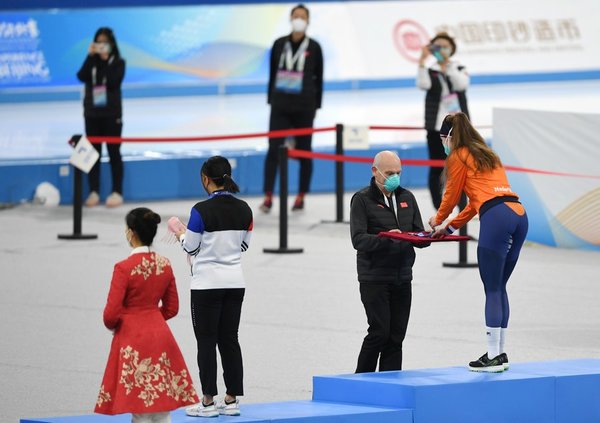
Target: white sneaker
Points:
(201, 410)
(92, 200)
(232, 409)
(114, 200)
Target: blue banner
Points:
(166, 44)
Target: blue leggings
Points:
(501, 236)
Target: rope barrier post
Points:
(339, 176)
(77, 202)
(283, 200)
(462, 245)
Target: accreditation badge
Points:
(99, 95)
(289, 81)
(450, 103)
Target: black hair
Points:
(114, 49)
(447, 37)
(144, 222)
(300, 6)
(218, 169)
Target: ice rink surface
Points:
(302, 314)
(34, 130)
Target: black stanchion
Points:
(339, 176)
(463, 260)
(77, 202)
(283, 199)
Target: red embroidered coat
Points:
(146, 372)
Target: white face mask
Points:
(299, 25)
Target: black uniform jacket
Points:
(383, 260)
(108, 72)
(312, 84)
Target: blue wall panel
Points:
(179, 177)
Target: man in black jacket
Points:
(384, 265)
(295, 92)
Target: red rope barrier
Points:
(271, 134)
(303, 154)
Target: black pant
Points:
(288, 120)
(216, 319)
(388, 309)
(436, 152)
(106, 126)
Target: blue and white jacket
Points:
(218, 232)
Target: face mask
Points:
(129, 236)
(447, 149)
(392, 182)
(205, 186)
(299, 25)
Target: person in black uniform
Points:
(446, 83)
(295, 92)
(102, 73)
(384, 266)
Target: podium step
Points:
(280, 412)
(556, 391)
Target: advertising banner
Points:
(230, 44)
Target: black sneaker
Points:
(484, 364)
(504, 359)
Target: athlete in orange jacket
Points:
(474, 168)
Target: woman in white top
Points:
(217, 233)
(446, 82)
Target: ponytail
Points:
(465, 135)
(229, 184)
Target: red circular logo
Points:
(410, 38)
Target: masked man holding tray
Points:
(384, 265)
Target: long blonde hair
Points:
(465, 135)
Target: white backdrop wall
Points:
(564, 211)
(229, 45)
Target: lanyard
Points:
(95, 71)
(290, 60)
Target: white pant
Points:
(151, 418)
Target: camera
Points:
(434, 48)
(102, 48)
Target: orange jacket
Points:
(478, 186)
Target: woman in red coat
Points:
(146, 374)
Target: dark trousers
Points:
(388, 309)
(106, 126)
(288, 120)
(436, 152)
(216, 319)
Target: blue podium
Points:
(565, 391)
(555, 391)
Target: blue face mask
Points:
(447, 149)
(392, 182)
